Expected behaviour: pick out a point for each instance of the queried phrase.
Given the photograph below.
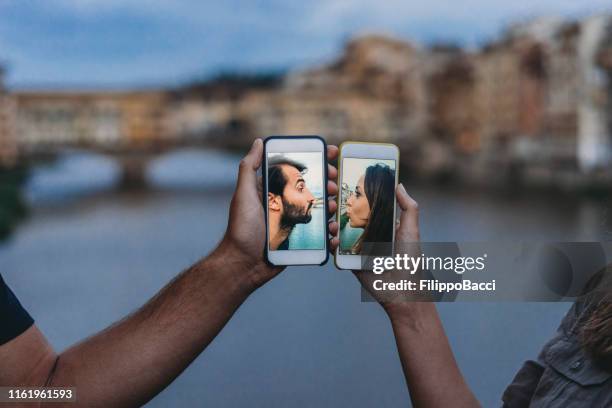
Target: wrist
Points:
(247, 272)
(415, 316)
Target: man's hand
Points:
(130, 362)
(245, 239)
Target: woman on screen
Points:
(371, 206)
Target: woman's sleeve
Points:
(520, 392)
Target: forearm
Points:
(130, 362)
(432, 374)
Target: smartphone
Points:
(295, 200)
(368, 174)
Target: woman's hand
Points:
(430, 369)
(407, 238)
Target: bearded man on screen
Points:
(289, 200)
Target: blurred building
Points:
(144, 117)
(509, 85)
(337, 117)
(543, 96)
(452, 105)
(374, 65)
(220, 111)
(46, 119)
(520, 102)
(8, 146)
(562, 93)
(595, 103)
(192, 118)
(88, 119)
(373, 91)
(536, 103)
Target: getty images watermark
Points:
(483, 271)
(413, 264)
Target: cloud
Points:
(92, 7)
(410, 17)
(131, 41)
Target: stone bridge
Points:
(133, 159)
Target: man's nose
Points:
(310, 196)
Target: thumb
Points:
(247, 174)
(409, 220)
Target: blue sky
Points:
(100, 43)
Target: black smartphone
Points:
(295, 200)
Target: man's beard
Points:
(293, 214)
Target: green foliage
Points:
(343, 220)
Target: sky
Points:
(117, 43)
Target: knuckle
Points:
(244, 164)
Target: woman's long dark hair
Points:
(379, 186)
(596, 333)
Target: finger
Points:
(332, 172)
(333, 228)
(409, 220)
(247, 175)
(332, 188)
(333, 244)
(332, 152)
(332, 206)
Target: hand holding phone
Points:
(246, 237)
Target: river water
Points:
(88, 255)
(308, 236)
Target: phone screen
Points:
(295, 198)
(367, 203)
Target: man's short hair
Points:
(276, 178)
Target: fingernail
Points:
(253, 146)
(403, 188)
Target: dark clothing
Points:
(14, 319)
(563, 374)
(284, 244)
